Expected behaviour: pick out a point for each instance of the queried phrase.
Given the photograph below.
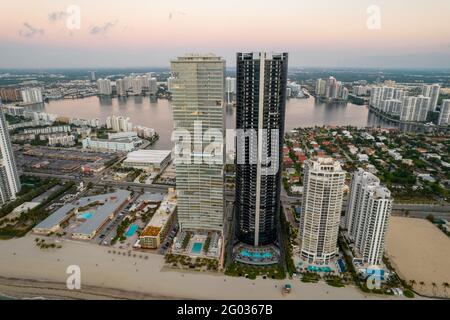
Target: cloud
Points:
(102, 29)
(30, 31)
(57, 15)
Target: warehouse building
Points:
(149, 160)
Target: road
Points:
(97, 181)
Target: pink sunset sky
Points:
(412, 33)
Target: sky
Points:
(137, 33)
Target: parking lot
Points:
(58, 160)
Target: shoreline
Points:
(18, 289)
(27, 272)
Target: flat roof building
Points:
(151, 160)
(158, 227)
(53, 222)
(108, 205)
(116, 145)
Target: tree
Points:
(434, 286)
(446, 286)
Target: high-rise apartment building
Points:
(121, 87)
(104, 87)
(444, 115)
(324, 181)
(10, 94)
(9, 178)
(230, 89)
(119, 124)
(432, 91)
(367, 216)
(152, 86)
(136, 85)
(260, 114)
(408, 108)
(422, 108)
(198, 91)
(331, 89)
(32, 95)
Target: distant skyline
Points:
(134, 33)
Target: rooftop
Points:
(151, 156)
(56, 217)
(108, 203)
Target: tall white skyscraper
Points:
(375, 97)
(432, 91)
(331, 89)
(321, 209)
(367, 216)
(152, 86)
(32, 95)
(104, 87)
(136, 85)
(421, 109)
(119, 124)
(121, 87)
(230, 89)
(9, 178)
(198, 95)
(408, 109)
(444, 115)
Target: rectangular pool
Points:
(197, 247)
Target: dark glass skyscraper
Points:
(260, 112)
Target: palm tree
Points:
(434, 286)
(446, 286)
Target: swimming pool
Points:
(85, 215)
(131, 230)
(256, 255)
(197, 247)
(319, 269)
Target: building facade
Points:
(9, 178)
(260, 111)
(32, 95)
(324, 181)
(432, 91)
(104, 87)
(198, 91)
(367, 216)
(444, 114)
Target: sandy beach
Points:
(27, 271)
(419, 251)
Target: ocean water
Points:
(5, 297)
